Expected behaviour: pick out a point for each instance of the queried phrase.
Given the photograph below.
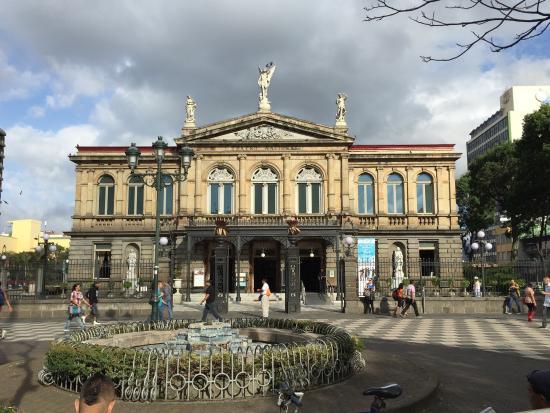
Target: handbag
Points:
(74, 310)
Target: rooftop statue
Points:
(263, 83)
(341, 109)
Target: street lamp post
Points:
(483, 246)
(156, 180)
(349, 242)
(47, 247)
(4, 258)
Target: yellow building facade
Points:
(253, 174)
(25, 234)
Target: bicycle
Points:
(287, 398)
(390, 391)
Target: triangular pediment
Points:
(264, 128)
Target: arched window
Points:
(167, 196)
(309, 191)
(264, 195)
(365, 195)
(220, 191)
(395, 194)
(424, 194)
(135, 196)
(106, 195)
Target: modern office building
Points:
(506, 124)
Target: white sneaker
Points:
(84, 319)
(3, 335)
(66, 330)
(96, 323)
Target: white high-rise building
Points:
(507, 123)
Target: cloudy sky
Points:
(108, 73)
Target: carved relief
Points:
(262, 133)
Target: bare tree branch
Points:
(532, 18)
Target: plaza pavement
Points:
(478, 361)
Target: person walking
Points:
(546, 305)
(477, 287)
(410, 299)
(210, 303)
(91, 296)
(368, 292)
(397, 295)
(513, 297)
(75, 308)
(167, 299)
(265, 293)
(4, 301)
(530, 302)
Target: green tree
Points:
(533, 179)
(473, 214)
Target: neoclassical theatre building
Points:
(254, 174)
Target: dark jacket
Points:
(91, 295)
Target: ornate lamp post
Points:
(483, 246)
(155, 180)
(348, 242)
(46, 246)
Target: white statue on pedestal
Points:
(131, 274)
(263, 82)
(398, 273)
(341, 110)
(190, 106)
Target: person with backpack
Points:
(4, 300)
(397, 295)
(91, 296)
(410, 299)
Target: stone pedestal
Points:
(177, 295)
(264, 106)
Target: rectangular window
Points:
(139, 201)
(420, 199)
(429, 199)
(258, 198)
(370, 200)
(131, 199)
(168, 192)
(315, 198)
(214, 195)
(271, 198)
(399, 200)
(101, 209)
(362, 199)
(227, 192)
(302, 205)
(110, 200)
(391, 199)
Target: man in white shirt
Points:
(266, 292)
(410, 299)
(546, 305)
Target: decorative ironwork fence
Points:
(255, 371)
(453, 277)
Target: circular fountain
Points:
(190, 361)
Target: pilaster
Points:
(345, 182)
(198, 179)
(330, 182)
(242, 184)
(287, 210)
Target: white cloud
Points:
(36, 165)
(16, 83)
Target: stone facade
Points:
(255, 172)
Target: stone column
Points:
(242, 184)
(330, 182)
(198, 179)
(441, 199)
(345, 182)
(90, 191)
(410, 191)
(120, 197)
(287, 190)
(352, 303)
(381, 207)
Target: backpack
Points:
(2, 300)
(395, 295)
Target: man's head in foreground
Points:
(97, 395)
(539, 389)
